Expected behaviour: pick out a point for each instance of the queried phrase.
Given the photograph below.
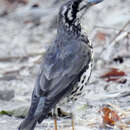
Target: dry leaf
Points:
(110, 117)
(113, 73)
(115, 76)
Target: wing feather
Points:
(59, 71)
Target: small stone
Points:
(7, 95)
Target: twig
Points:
(127, 42)
(110, 28)
(115, 40)
(120, 31)
(10, 58)
(8, 78)
(14, 71)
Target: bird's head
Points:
(72, 10)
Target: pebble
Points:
(7, 95)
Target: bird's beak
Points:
(93, 2)
(89, 4)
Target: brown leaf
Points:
(113, 73)
(110, 117)
(101, 36)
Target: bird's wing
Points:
(59, 71)
(60, 64)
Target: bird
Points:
(65, 68)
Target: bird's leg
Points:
(55, 122)
(72, 121)
(55, 117)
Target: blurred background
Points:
(27, 27)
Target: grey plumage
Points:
(62, 66)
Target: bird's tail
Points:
(27, 125)
(35, 112)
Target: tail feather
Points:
(36, 110)
(27, 125)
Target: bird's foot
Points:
(62, 113)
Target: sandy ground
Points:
(26, 32)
